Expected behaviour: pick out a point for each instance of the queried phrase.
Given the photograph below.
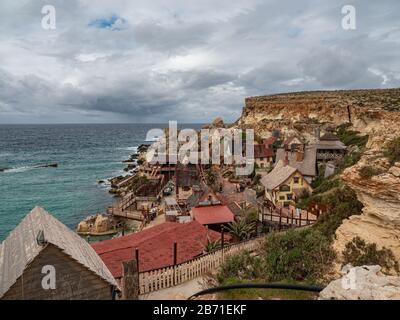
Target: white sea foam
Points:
(5, 154)
(19, 169)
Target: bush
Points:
(342, 204)
(359, 253)
(242, 266)
(304, 255)
(327, 185)
(368, 172)
(392, 151)
(351, 137)
(349, 160)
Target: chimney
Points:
(318, 133)
(286, 160)
(299, 155)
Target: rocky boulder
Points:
(362, 283)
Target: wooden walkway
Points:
(286, 217)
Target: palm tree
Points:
(241, 230)
(212, 245)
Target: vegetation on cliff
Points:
(360, 253)
(392, 150)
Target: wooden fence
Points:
(287, 216)
(163, 278)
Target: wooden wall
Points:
(73, 280)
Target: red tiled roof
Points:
(155, 246)
(270, 141)
(212, 214)
(262, 151)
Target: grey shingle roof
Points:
(277, 176)
(307, 167)
(20, 248)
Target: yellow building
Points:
(284, 183)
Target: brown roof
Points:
(329, 145)
(307, 167)
(277, 176)
(262, 151)
(20, 248)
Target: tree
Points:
(241, 230)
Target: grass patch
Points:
(368, 172)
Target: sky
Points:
(191, 61)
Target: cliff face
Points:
(380, 220)
(304, 110)
(372, 112)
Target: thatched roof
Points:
(21, 247)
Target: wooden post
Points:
(174, 266)
(308, 222)
(280, 220)
(292, 218)
(300, 218)
(130, 280)
(222, 237)
(137, 258)
(175, 253)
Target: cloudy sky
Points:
(186, 60)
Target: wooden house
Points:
(42, 259)
(283, 184)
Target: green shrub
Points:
(328, 184)
(242, 266)
(342, 204)
(297, 255)
(351, 137)
(392, 150)
(349, 160)
(368, 172)
(359, 253)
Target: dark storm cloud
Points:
(190, 61)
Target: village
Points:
(172, 223)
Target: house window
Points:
(296, 179)
(186, 188)
(284, 188)
(289, 197)
(281, 197)
(261, 159)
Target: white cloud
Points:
(127, 60)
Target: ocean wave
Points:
(26, 168)
(5, 154)
(18, 169)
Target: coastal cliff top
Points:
(386, 99)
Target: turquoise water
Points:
(85, 154)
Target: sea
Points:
(85, 154)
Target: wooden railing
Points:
(163, 278)
(290, 216)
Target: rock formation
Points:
(362, 283)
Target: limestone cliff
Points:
(304, 111)
(372, 112)
(380, 220)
